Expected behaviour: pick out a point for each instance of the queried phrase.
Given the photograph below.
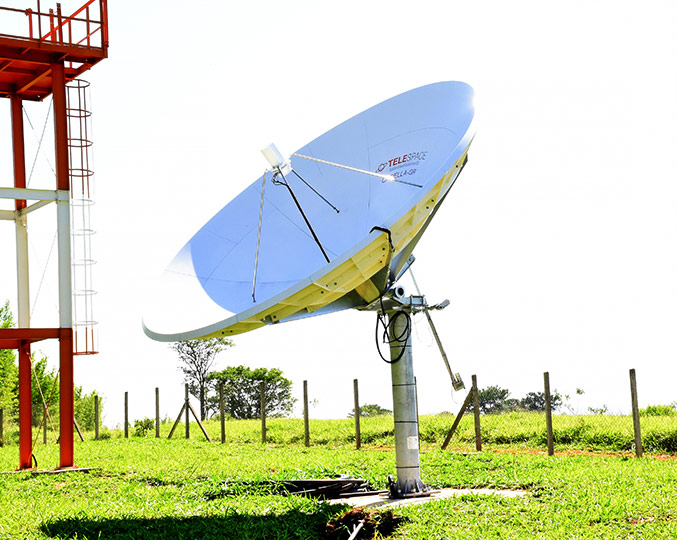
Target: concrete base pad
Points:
(379, 501)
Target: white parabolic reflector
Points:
(420, 138)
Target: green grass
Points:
(158, 488)
(524, 430)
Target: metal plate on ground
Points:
(376, 501)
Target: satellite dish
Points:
(330, 227)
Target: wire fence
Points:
(653, 428)
(484, 421)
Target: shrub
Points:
(659, 410)
(370, 409)
(143, 427)
(571, 434)
(84, 409)
(598, 410)
(661, 442)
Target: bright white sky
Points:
(556, 247)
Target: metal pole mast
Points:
(404, 408)
(399, 309)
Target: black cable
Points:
(315, 191)
(303, 214)
(387, 336)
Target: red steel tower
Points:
(53, 50)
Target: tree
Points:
(85, 409)
(242, 392)
(41, 379)
(535, 401)
(492, 400)
(9, 372)
(197, 357)
(44, 384)
(370, 409)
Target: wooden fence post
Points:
(96, 417)
(176, 422)
(459, 416)
(306, 425)
(188, 408)
(126, 415)
(548, 413)
(263, 411)
(476, 406)
(223, 413)
(199, 423)
(356, 393)
(44, 424)
(635, 414)
(157, 412)
(187, 413)
(77, 428)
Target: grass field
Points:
(595, 432)
(159, 488)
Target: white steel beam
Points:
(30, 194)
(22, 281)
(63, 216)
(34, 207)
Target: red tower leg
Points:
(66, 407)
(25, 408)
(63, 223)
(25, 394)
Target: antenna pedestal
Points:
(399, 309)
(404, 410)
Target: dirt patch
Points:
(370, 522)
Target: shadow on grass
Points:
(291, 524)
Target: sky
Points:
(556, 246)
